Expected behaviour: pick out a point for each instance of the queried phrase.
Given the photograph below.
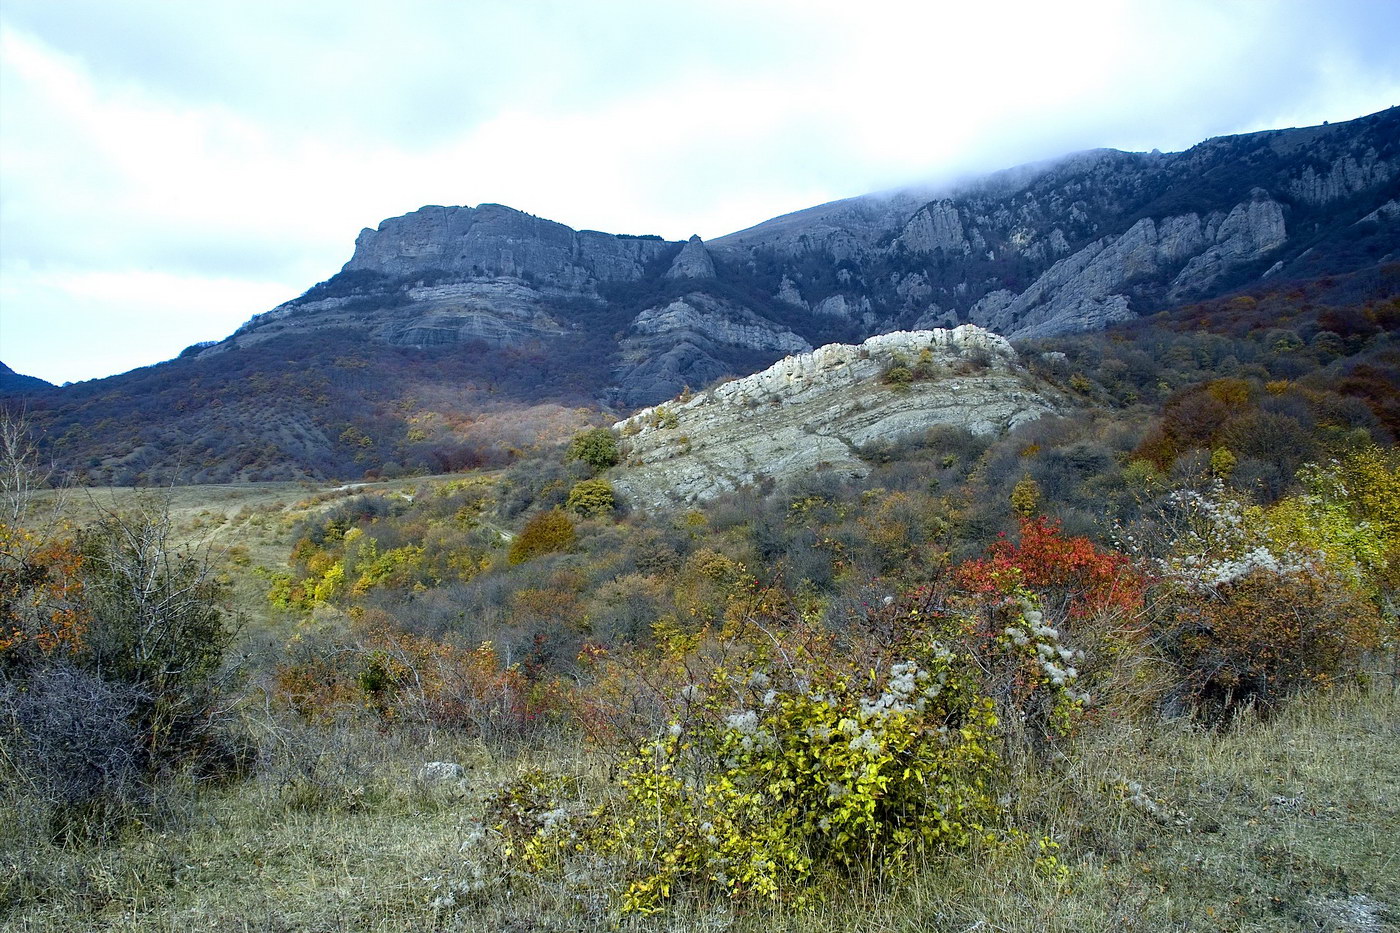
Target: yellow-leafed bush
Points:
(546, 533)
(776, 768)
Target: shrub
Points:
(596, 447)
(787, 757)
(73, 741)
(1071, 575)
(1249, 612)
(898, 376)
(1025, 497)
(42, 616)
(1264, 634)
(157, 625)
(546, 533)
(592, 498)
(752, 795)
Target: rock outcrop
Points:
(693, 262)
(493, 240)
(686, 342)
(817, 410)
(1090, 289)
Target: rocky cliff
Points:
(492, 240)
(817, 410)
(1070, 245)
(1095, 237)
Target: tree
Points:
(1025, 497)
(596, 447)
(157, 623)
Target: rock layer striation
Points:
(817, 410)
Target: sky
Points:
(168, 169)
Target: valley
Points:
(1022, 554)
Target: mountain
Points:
(1063, 246)
(1099, 236)
(454, 335)
(13, 383)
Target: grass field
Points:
(1278, 826)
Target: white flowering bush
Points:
(1219, 539)
(1250, 613)
(1040, 677)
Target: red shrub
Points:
(1071, 575)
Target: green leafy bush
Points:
(592, 498)
(596, 447)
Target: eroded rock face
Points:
(498, 312)
(1089, 289)
(936, 226)
(684, 342)
(815, 410)
(693, 262)
(494, 240)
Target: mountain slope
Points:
(450, 318)
(1103, 235)
(13, 383)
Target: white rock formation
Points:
(815, 410)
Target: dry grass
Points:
(1276, 826)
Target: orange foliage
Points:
(41, 612)
(399, 676)
(1070, 574)
(1267, 635)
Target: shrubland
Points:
(1132, 667)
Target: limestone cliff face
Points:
(494, 240)
(445, 275)
(1096, 237)
(693, 262)
(683, 343)
(816, 410)
(1089, 289)
(1070, 245)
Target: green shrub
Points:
(898, 376)
(596, 447)
(770, 775)
(592, 498)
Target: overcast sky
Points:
(170, 168)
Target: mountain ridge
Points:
(516, 310)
